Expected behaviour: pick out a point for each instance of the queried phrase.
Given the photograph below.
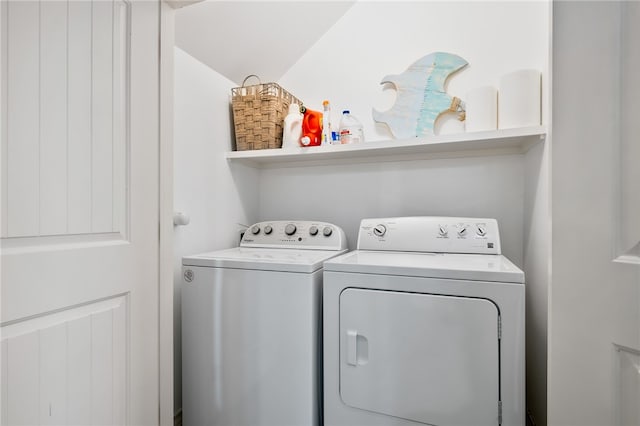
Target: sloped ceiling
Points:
(266, 38)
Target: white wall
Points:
(344, 194)
(537, 252)
(216, 197)
(594, 302)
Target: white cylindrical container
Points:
(519, 99)
(481, 107)
(292, 127)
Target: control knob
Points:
(290, 229)
(379, 230)
(462, 230)
(442, 230)
(327, 231)
(481, 230)
(268, 229)
(313, 230)
(255, 229)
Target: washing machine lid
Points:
(285, 260)
(474, 267)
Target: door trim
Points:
(165, 231)
(626, 203)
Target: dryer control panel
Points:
(433, 234)
(296, 234)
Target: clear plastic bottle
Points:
(350, 129)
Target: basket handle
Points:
(248, 77)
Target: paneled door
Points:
(80, 108)
(594, 299)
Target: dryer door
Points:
(427, 358)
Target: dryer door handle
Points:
(352, 347)
(357, 348)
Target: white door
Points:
(79, 321)
(594, 299)
(427, 358)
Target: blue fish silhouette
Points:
(421, 96)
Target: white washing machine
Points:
(252, 327)
(424, 324)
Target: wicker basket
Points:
(258, 114)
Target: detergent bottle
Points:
(311, 128)
(292, 127)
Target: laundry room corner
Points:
(361, 43)
(320, 212)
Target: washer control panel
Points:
(295, 234)
(434, 234)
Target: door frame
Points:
(165, 255)
(165, 230)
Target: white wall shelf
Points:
(496, 142)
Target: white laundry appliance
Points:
(252, 327)
(424, 324)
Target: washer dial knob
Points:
(268, 229)
(462, 230)
(443, 231)
(379, 230)
(255, 229)
(481, 230)
(327, 231)
(290, 229)
(313, 230)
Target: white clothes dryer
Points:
(252, 327)
(424, 324)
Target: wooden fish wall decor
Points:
(421, 97)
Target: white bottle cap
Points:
(305, 140)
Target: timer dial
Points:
(290, 229)
(379, 230)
